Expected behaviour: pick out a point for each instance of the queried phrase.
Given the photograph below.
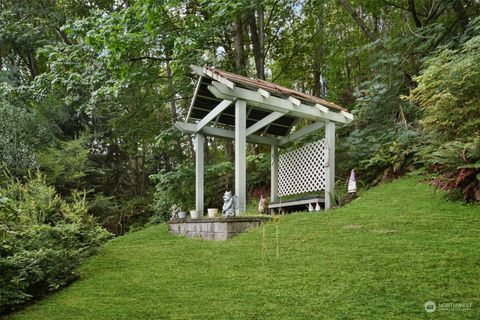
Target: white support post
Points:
(330, 165)
(199, 172)
(274, 175)
(240, 154)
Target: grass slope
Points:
(381, 257)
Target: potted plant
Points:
(194, 214)
(182, 215)
(212, 212)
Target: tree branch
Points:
(413, 11)
(348, 7)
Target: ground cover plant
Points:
(385, 255)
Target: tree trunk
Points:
(32, 64)
(319, 58)
(461, 14)
(229, 151)
(413, 12)
(173, 108)
(240, 57)
(256, 35)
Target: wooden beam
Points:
(264, 93)
(274, 174)
(295, 101)
(347, 115)
(198, 70)
(191, 128)
(219, 78)
(199, 172)
(212, 114)
(273, 103)
(241, 154)
(204, 72)
(302, 132)
(224, 114)
(321, 108)
(208, 98)
(263, 122)
(330, 165)
(195, 93)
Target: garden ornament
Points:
(352, 183)
(175, 211)
(262, 204)
(230, 204)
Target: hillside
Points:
(382, 256)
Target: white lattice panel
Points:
(303, 169)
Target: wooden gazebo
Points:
(235, 107)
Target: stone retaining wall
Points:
(214, 228)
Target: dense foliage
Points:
(448, 90)
(43, 238)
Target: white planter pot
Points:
(194, 214)
(212, 212)
(182, 215)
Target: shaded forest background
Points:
(89, 92)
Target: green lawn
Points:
(381, 257)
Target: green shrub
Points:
(42, 239)
(66, 164)
(448, 92)
(378, 154)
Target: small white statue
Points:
(175, 211)
(310, 207)
(352, 183)
(230, 204)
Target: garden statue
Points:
(175, 211)
(230, 204)
(262, 204)
(352, 188)
(352, 183)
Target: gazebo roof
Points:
(272, 110)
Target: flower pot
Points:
(182, 215)
(194, 214)
(212, 212)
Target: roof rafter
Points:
(263, 122)
(214, 113)
(301, 132)
(273, 103)
(223, 133)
